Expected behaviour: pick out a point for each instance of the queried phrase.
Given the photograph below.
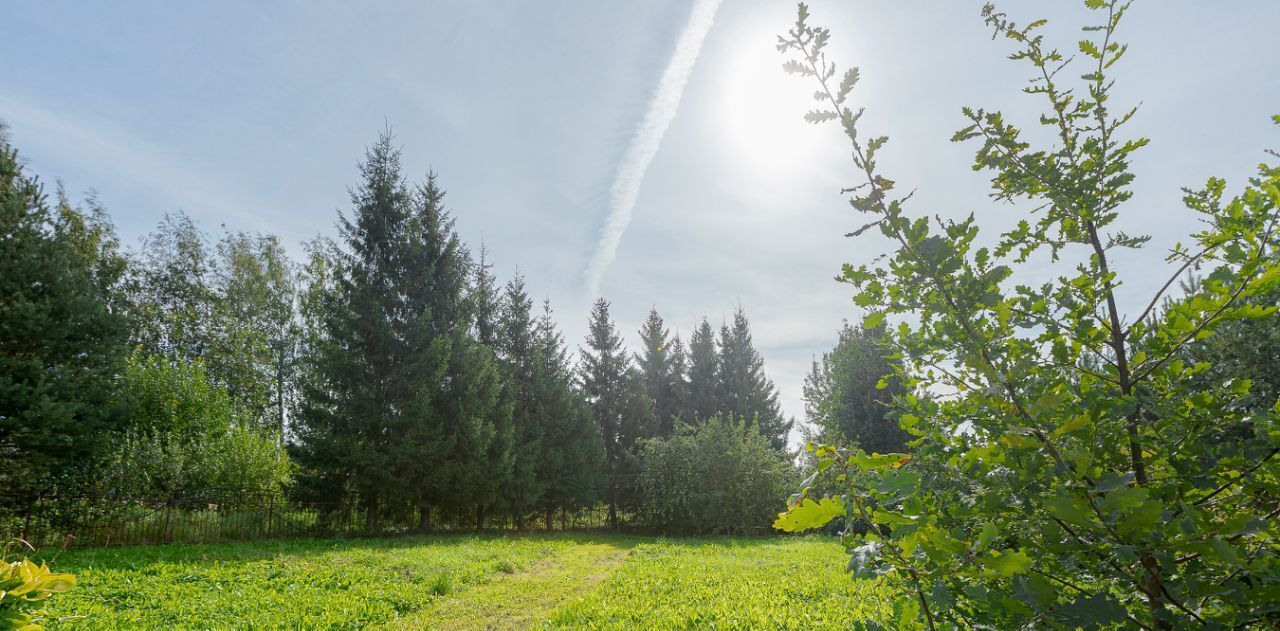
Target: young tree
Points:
(704, 381)
(849, 391)
(1069, 473)
(615, 394)
(745, 392)
(61, 341)
(661, 364)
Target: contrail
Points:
(648, 137)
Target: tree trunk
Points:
(549, 518)
(424, 517)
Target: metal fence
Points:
(207, 516)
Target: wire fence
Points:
(207, 516)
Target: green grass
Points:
(461, 582)
(728, 584)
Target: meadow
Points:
(556, 581)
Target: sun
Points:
(761, 108)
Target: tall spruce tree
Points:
(571, 465)
(843, 396)
(517, 349)
(450, 382)
(663, 373)
(61, 342)
(351, 419)
(615, 393)
(745, 391)
(704, 381)
(490, 491)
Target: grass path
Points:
(525, 597)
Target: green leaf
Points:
(873, 320)
(809, 514)
(1007, 562)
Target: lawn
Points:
(461, 582)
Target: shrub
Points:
(186, 436)
(717, 477)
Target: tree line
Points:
(389, 370)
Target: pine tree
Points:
(703, 390)
(745, 391)
(491, 491)
(61, 341)
(662, 371)
(842, 396)
(615, 393)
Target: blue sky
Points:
(253, 115)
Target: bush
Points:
(718, 477)
(186, 436)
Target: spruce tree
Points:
(571, 461)
(745, 391)
(615, 393)
(662, 372)
(450, 381)
(353, 416)
(61, 341)
(490, 490)
(704, 381)
(517, 348)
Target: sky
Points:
(652, 153)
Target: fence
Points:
(211, 515)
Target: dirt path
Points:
(525, 598)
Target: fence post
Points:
(271, 513)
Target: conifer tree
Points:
(450, 381)
(571, 466)
(704, 381)
(615, 393)
(491, 490)
(61, 342)
(662, 371)
(745, 391)
(517, 349)
(351, 419)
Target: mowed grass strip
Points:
(774, 583)
(523, 599)
(329, 584)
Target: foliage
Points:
(716, 477)
(845, 399)
(61, 334)
(1068, 470)
(24, 586)
(185, 436)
